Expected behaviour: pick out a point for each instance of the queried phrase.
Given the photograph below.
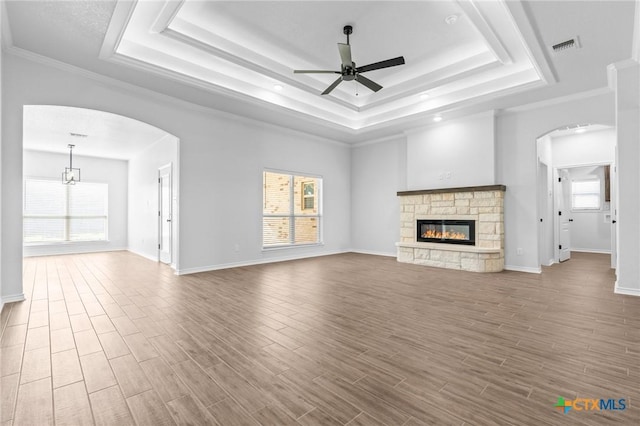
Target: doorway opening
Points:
(576, 193)
(115, 204)
(165, 214)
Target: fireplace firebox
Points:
(446, 231)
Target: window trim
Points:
(292, 215)
(66, 217)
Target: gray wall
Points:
(515, 133)
(221, 162)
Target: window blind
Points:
(585, 194)
(54, 212)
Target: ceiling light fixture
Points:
(424, 96)
(437, 118)
(70, 175)
(278, 87)
(451, 19)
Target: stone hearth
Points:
(483, 204)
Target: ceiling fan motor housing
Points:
(349, 73)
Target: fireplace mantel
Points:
(454, 190)
(482, 204)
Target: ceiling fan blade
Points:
(366, 82)
(382, 64)
(333, 86)
(315, 72)
(345, 54)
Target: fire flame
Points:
(448, 235)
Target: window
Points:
(291, 210)
(585, 194)
(55, 213)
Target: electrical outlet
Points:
(519, 251)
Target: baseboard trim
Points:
(11, 299)
(526, 269)
(153, 259)
(195, 270)
(626, 291)
(579, 250)
(146, 256)
(374, 253)
(84, 250)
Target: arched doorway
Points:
(120, 196)
(576, 192)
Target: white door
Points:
(564, 215)
(613, 210)
(542, 210)
(164, 214)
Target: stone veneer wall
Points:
(483, 204)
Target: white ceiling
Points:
(229, 54)
(49, 128)
(248, 47)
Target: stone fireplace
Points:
(455, 228)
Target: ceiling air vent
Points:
(572, 43)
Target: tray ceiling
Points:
(245, 49)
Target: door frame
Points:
(612, 208)
(557, 225)
(162, 171)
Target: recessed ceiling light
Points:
(437, 118)
(451, 19)
(278, 87)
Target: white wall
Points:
(584, 149)
(590, 231)
(143, 197)
(378, 172)
(455, 153)
(4, 288)
(516, 135)
(221, 162)
(39, 164)
(545, 202)
(624, 78)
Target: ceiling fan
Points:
(349, 71)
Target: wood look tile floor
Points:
(115, 339)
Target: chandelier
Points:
(70, 175)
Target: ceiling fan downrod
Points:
(348, 29)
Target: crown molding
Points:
(119, 20)
(486, 31)
(535, 52)
(393, 137)
(5, 27)
(161, 97)
(555, 101)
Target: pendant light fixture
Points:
(70, 175)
